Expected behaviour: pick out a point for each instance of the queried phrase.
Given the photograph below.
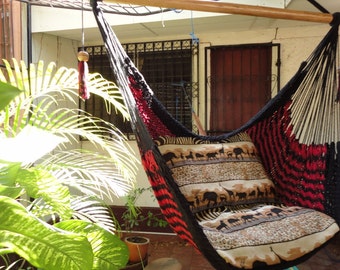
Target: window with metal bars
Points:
(167, 67)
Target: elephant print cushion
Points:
(266, 234)
(224, 174)
(233, 200)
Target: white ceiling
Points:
(160, 29)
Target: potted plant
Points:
(43, 221)
(138, 247)
(132, 217)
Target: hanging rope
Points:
(315, 110)
(195, 39)
(83, 69)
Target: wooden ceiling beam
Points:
(231, 8)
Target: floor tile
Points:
(169, 245)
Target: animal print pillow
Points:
(220, 174)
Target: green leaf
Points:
(39, 243)
(110, 253)
(7, 93)
(9, 172)
(12, 192)
(40, 183)
(8, 175)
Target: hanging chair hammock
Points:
(262, 197)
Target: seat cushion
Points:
(233, 199)
(219, 174)
(267, 234)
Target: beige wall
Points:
(50, 48)
(297, 43)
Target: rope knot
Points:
(336, 19)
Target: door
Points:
(240, 84)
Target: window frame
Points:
(185, 91)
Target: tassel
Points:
(83, 70)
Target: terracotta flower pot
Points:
(138, 248)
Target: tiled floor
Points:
(162, 246)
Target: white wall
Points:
(297, 43)
(52, 48)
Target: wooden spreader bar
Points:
(229, 8)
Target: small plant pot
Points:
(138, 247)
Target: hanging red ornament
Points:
(83, 70)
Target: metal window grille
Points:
(168, 69)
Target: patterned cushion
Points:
(233, 200)
(268, 235)
(221, 174)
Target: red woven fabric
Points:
(165, 199)
(297, 169)
(154, 125)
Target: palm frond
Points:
(63, 81)
(41, 109)
(49, 105)
(89, 173)
(90, 209)
(112, 98)
(72, 126)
